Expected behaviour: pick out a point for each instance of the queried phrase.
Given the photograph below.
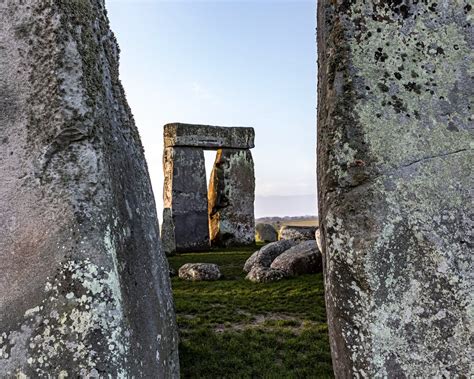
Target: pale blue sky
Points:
(230, 63)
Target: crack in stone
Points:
(429, 158)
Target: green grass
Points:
(233, 328)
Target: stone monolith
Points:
(185, 221)
(395, 156)
(84, 285)
(208, 136)
(231, 199)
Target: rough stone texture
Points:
(304, 258)
(208, 137)
(168, 239)
(260, 274)
(84, 286)
(265, 256)
(297, 233)
(199, 271)
(185, 220)
(231, 199)
(265, 233)
(395, 153)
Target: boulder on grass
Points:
(265, 233)
(265, 256)
(304, 258)
(298, 233)
(260, 274)
(199, 271)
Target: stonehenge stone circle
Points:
(192, 215)
(84, 285)
(231, 199)
(395, 155)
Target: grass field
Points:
(232, 328)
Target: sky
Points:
(227, 63)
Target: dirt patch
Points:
(270, 322)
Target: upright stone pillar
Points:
(395, 155)
(84, 285)
(185, 223)
(185, 215)
(231, 199)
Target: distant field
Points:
(233, 328)
(308, 222)
(278, 222)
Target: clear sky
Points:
(229, 63)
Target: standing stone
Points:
(395, 155)
(231, 199)
(208, 136)
(84, 286)
(185, 222)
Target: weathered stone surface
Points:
(265, 233)
(231, 199)
(84, 286)
(265, 256)
(185, 220)
(395, 154)
(304, 258)
(297, 233)
(168, 239)
(260, 274)
(208, 137)
(199, 271)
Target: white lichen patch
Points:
(411, 77)
(68, 321)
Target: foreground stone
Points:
(297, 233)
(84, 285)
(231, 199)
(199, 271)
(259, 274)
(395, 186)
(265, 256)
(304, 258)
(265, 233)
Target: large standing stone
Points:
(185, 220)
(231, 199)
(395, 157)
(84, 286)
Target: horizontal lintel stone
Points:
(207, 136)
